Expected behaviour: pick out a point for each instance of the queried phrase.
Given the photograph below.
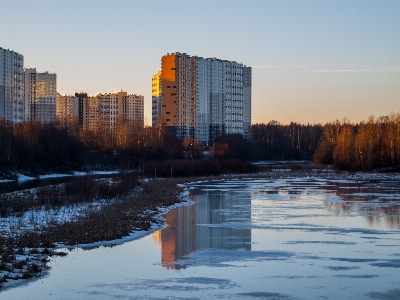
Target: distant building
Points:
(156, 99)
(80, 95)
(90, 113)
(104, 111)
(40, 96)
(11, 86)
(247, 102)
(67, 109)
(203, 97)
(133, 109)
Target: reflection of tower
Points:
(179, 238)
(221, 208)
(206, 225)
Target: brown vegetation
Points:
(371, 144)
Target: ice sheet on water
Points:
(22, 178)
(5, 180)
(320, 242)
(54, 176)
(222, 258)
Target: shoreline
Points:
(41, 258)
(157, 222)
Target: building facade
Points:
(11, 86)
(40, 96)
(247, 102)
(67, 109)
(104, 111)
(156, 99)
(133, 109)
(90, 113)
(203, 97)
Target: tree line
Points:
(370, 144)
(287, 142)
(36, 148)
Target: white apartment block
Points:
(108, 110)
(67, 109)
(247, 102)
(11, 86)
(133, 109)
(40, 96)
(204, 97)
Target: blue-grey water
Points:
(244, 239)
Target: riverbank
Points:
(30, 237)
(37, 222)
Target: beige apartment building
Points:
(40, 95)
(67, 109)
(90, 113)
(104, 111)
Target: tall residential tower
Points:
(203, 97)
(11, 86)
(156, 98)
(40, 96)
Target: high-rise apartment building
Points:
(90, 113)
(81, 96)
(133, 109)
(203, 97)
(247, 102)
(67, 109)
(156, 98)
(104, 111)
(40, 96)
(11, 86)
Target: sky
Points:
(312, 61)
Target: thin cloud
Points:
(276, 67)
(344, 71)
(391, 69)
(384, 69)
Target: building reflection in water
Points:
(178, 238)
(195, 227)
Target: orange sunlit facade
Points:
(202, 98)
(168, 86)
(179, 238)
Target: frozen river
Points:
(243, 239)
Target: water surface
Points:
(243, 239)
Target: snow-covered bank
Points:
(38, 218)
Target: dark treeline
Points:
(35, 148)
(287, 142)
(371, 144)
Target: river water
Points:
(301, 238)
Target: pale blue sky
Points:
(313, 61)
